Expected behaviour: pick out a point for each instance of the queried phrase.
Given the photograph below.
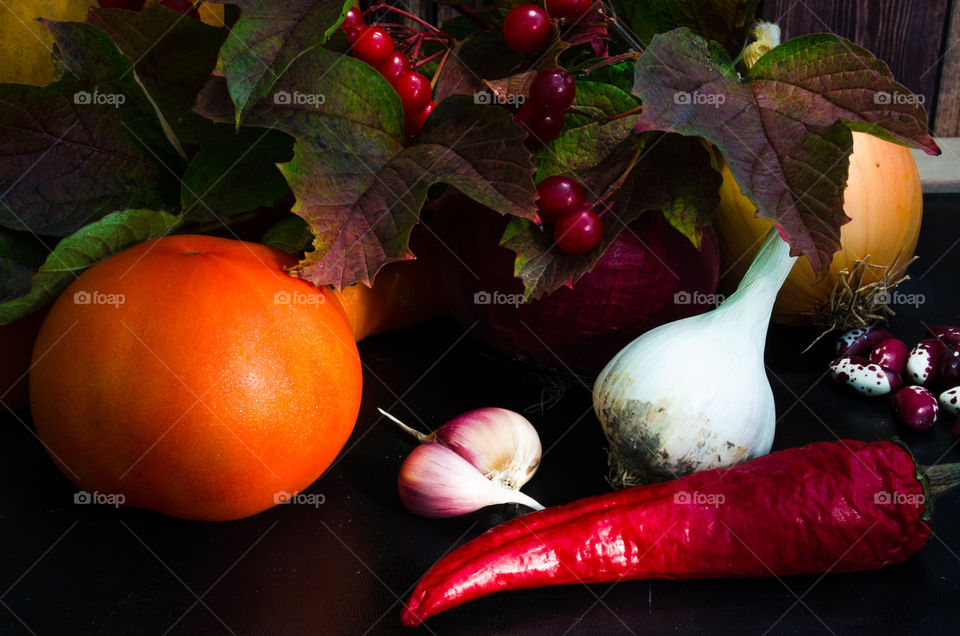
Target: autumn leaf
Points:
(357, 185)
(84, 146)
(268, 38)
(784, 129)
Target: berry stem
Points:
(616, 185)
(629, 55)
(398, 26)
(430, 58)
(626, 113)
(409, 16)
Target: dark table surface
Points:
(345, 566)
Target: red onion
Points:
(631, 290)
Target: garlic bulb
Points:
(436, 482)
(693, 394)
(477, 459)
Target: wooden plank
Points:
(905, 34)
(948, 100)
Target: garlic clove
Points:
(436, 482)
(501, 444)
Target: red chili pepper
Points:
(830, 506)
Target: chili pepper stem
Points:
(412, 431)
(941, 478)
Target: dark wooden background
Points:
(919, 39)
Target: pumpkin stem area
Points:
(854, 303)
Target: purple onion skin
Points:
(628, 292)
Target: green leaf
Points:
(619, 74)
(85, 145)
(723, 21)
(173, 58)
(95, 242)
(669, 173)
(783, 130)
(291, 235)
(268, 38)
(357, 185)
(238, 176)
(587, 140)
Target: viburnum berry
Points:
(394, 66)
(557, 193)
(353, 19)
(414, 90)
(567, 9)
(527, 28)
(542, 127)
(373, 45)
(578, 230)
(414, 122)
(552, 91)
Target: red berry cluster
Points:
(374, 46)
(576, 228)
(544, 113)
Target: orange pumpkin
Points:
(195, 377)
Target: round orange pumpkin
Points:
(193, 376)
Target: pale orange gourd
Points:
(884, 200)
(403, 294)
